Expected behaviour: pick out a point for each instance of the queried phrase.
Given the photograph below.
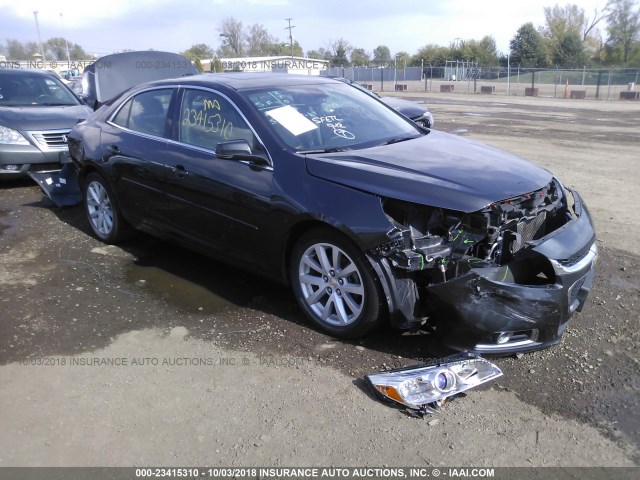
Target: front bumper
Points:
(483, 315)
(18, 160)
(489, 311)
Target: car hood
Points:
(43, 118)
(406, 107)
(437, 169)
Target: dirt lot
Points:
(212, 366)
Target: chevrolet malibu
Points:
(368, 217)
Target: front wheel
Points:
(335, 284)
(102, 210)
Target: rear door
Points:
(135, 142)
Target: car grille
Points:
(51, 139)
(530, 229)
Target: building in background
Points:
(282, 64)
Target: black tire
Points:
(101, 208)
(340, 292)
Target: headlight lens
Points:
(426, 119)
(419, 387)
(11, 137)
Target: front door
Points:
(221, 204)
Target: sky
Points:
(106, 26)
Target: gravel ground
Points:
(217, 367)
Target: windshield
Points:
(329, 117)
(361, 88)
(32, 90)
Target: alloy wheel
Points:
(99, 208)
(331, 284)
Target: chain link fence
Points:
(584, 83)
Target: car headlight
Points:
(11, 137)
(426, 119)
(424, 388)
(560, 186)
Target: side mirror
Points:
(239, 150)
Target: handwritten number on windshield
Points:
(336, 125)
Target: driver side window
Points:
(207, 118)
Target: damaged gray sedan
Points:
(369, 217)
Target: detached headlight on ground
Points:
(425, 388)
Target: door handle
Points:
(113, 149)
(180, 171)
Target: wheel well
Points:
(294, 235)
(375, 274)
(86, 171)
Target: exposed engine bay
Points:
(445, 244)
(461, 267)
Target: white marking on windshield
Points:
(292, 120)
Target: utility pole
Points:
(395, 73)
(508, 74)
(290, 27)
(66, 43)
(35, 14)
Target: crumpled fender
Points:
(61, 186)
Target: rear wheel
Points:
(102, 210)
(335, 284)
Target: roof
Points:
(273, 58)
(245, 81)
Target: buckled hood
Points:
(437, 169)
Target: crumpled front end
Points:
(502, 280)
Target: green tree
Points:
(487, 51)
(16, 50)
(569, 51)
(623, 27)
(319, 54)
(282, 48)
(78, 53)
(198, 64)
(527, 48)
(560, 25)
(457, 49)
(433, 54)
(401, 59)
(561, 20)
(341, 49)
(484, 51)
(382, 55)
(360, 58)
(259, 41)
(216, 65)
(198, 51)
(56, 48)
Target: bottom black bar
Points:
(264, 473)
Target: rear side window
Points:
(207, 118)
(146, 112)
